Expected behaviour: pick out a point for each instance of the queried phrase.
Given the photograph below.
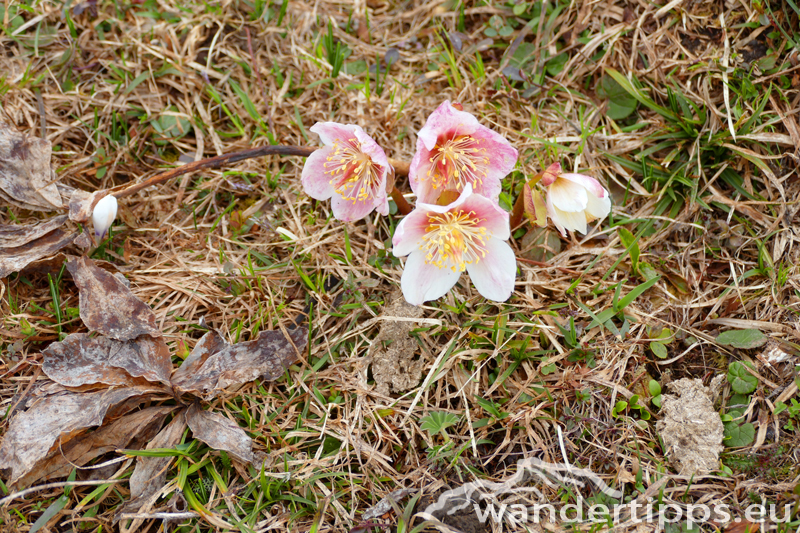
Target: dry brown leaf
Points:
(140, 425)
(150, 473)
(26, 177)
(214, 365)
(15, 259)
(32, 433)
(16, 235)
(108, 306)
(80, 359)
(81, 204)
(220, 433)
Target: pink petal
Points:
(494, 275)
(587, 182)
(422, 282)
(446, 119)
(418, 170)
(315, 182)
(348, 211)
(550, 174)
(372, 149)
(409, 233)
(495, 218)
(567, 195)
(502, 160)
(330, 131)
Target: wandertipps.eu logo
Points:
(511, 500)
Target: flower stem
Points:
(517, 212)
(403, 207)
(400, 168)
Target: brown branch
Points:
(400, 167)
(403, 207)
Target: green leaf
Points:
(737, 436)
(630, 244)
(635, 293)
(657, 401)
(654, 387)
(620, 103)
(745, 339)
(647, 271)
(659, 349)
(740, 379)
(438, 421)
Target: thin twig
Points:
(400, 168)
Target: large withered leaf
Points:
(15, 259)
(32, 433)
(107, 305)
(214, 365)
(150, 473)
(80, 359)
(15, 235)
(26, 177)
(140, 425)
(220, 433)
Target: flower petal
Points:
(372, 149)
(315, 182)
(502, 157)
(330, 131)
(554, 216)
(495, 218)
(494, 275)
(568, 195)
(422, 282)
(409, 233)
(587, 182)
(598, 207)
(446, 119)
(348, 211)
(571, 220)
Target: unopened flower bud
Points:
(103, 215)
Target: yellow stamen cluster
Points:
(353, 173)
(459, 159)
(454, 239)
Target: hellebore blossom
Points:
(103, 215)
(441, 242)
(454, 150)
(351, 168)
(573, 200)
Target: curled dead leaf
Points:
(108, 306)
(80, 359)
(81, 204)
(150, 473)
(16, 258)
(15, 235)
(139, 425)
(214, 365)
(220, 433)
(32, 433)
(26, 178)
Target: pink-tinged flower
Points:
(441, 242)
(454, 150)
(351, 168)
(573, 200)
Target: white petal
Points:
(568, 195)
(571, 220)
(409, 233)
(104, 214)
(422, 282)
(494, 275)
(598, 207)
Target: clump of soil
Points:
(691, 429)
(394, 366)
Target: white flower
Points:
(103, 215)
(573, 200)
